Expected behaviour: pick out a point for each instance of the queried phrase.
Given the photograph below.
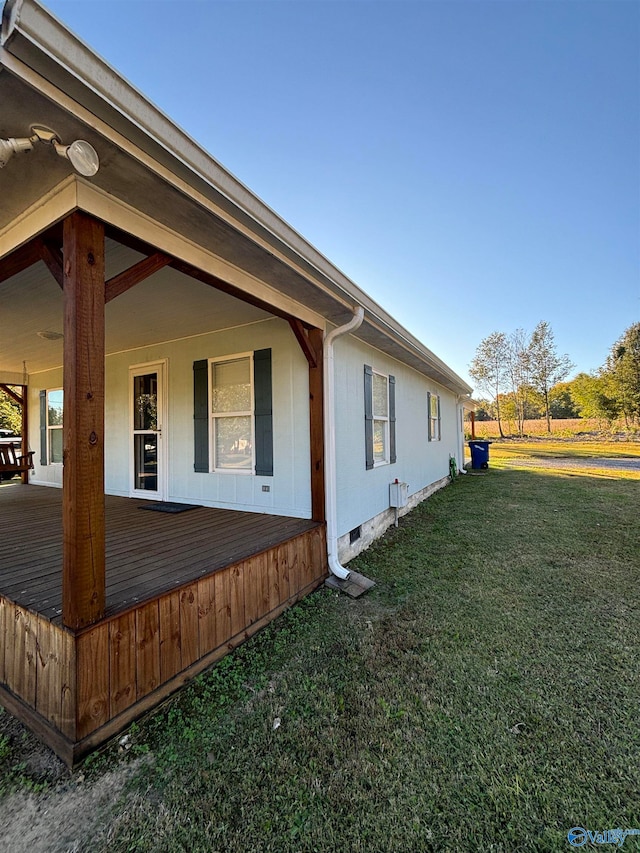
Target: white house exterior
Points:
(422, 461)
(176, 341)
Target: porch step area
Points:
(354, 586)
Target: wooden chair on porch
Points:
(12, 463)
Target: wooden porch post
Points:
(24, 429)
(316, 417)
(83, 575)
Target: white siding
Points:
(289, 487)
(363, 494)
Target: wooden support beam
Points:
(302, 336)
(316, 422)
(134, 275)
(83, 563)
(20, 260)
(24, 431)
(52, 257)
(193, 272)
(11, 393)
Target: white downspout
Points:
(330, 444)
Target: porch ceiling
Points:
(151, 312)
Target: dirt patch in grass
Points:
(44, 808)
(64, 818)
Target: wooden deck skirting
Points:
(38, 666)
(78, 689)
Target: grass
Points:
(553, 448)
(483, 696)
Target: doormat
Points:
(167, 506)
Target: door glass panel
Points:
(146, 462)
(146, 433)
(145, 401)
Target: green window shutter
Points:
(201, 416)
(368, 415)
(392, 419)
(263, 410)
(439, 425)
(429, 436)
(43, 428)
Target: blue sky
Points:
(473, 165)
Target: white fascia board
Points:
(9, 378)
(51, 208)
(116, 212)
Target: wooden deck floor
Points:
(147, 553)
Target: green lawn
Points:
(570, 448)
(484, 696)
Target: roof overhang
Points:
(156, 183)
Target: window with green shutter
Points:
(233, 417)
(380, 418)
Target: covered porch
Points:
(157, 264)
(182, 589)
(106, 607)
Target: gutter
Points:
(331, 501)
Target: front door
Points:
(148, 462)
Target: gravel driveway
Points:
(627, 463)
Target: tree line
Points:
(523, 376)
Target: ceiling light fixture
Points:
(82, 156)
(50, 336)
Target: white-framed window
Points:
(232, 414)
(380, 419)
(55, 409)
(433, 414)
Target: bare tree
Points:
(546, 366)
(488, 368)
(518, 370)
